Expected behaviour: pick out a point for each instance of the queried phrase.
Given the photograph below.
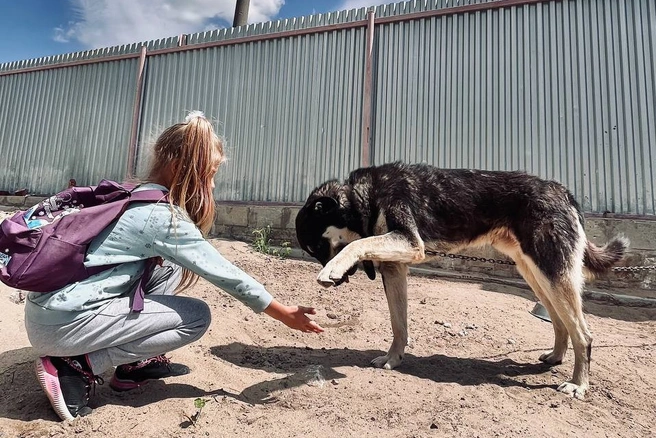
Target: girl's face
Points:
(214, 170)
(165, 176)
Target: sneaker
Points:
(67, 382)
(136, 374)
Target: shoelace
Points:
(144, 363)
(91, 379)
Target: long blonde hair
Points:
(190, 154)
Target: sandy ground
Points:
(471, 368)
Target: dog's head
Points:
(322, 226)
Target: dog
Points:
(387, 217)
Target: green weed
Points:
(262, 243)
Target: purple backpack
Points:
(43, 249)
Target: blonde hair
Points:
(190, 154)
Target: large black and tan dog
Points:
(388, 216)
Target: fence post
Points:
(368, 86)
(136, 115)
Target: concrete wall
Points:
(238, 220)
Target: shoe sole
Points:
(125, 385)
(49, 380)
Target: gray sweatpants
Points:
(117, 336)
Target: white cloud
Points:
(260, 10)
(63, 34)
(104, 23)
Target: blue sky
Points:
(36, 28)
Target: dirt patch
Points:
(471, 368)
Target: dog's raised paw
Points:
(325, 278)
(331, 277)
(324, 282)
(576, 391)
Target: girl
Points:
(89, 327)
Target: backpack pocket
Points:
(17, 244)
(54, 265)
(15, 237)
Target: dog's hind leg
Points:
(396, 290)
(567, 303)
(542, 290)
(561, 337)
(563, 298)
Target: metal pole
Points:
(368, 86)
(241, 13)
(136, 113)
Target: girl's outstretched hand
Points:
(294, 317)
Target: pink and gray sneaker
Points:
(67, 382)
(136, 374)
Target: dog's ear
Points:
(323, 206)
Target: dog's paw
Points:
(388, 362)
(326, 279)
(576, 391)
(331, 276)
(551, 358)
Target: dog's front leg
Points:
(390, 247)
(395, 281)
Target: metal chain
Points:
(634, 268)
(470, 258)
(510, 262)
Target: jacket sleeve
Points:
(177, 239)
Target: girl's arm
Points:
(293, 316)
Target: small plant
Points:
(262, 243)
(284, 250)
(199, 403)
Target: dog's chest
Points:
(380, 227)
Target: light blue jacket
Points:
(145, 230)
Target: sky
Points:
(37, 28)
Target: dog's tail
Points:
(599, 260)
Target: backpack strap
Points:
(150, 195)
(140, 293)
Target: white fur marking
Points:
(339, 236)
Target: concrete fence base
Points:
(239, 220)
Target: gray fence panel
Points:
(65, 123)
(289, 109)
(562, 89)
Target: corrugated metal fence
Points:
(562, 89)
